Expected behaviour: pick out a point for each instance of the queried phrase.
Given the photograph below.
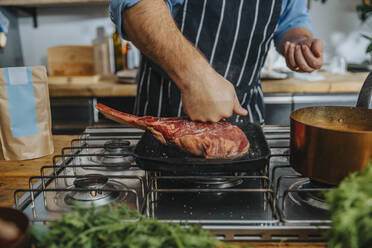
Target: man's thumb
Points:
(238, 109)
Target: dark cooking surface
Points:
(228, 206)
(153, 155)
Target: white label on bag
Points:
(18, 75)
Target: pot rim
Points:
(292, 118)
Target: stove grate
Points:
(267, 207)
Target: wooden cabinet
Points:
(30, 3)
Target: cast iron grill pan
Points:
(154, 156)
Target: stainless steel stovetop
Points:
(98, 168)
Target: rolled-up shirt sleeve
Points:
(117, 6)
(294, 14)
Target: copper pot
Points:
(329, 142)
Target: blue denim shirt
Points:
(294, 13)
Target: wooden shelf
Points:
(86, 89)
(30, 3)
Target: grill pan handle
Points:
(365, 94)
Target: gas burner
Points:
(115, 152)
(117, 146)
(315, 199)
(217, 183)
(93, 184)
(212, 180)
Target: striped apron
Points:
(234, 35)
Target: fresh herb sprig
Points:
(351, 208)
(117, 226)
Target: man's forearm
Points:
(293, 35)
(151, 27)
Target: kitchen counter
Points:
(14, 175)
(332, 83)
(346, 83)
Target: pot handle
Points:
(365, 94)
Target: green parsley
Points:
(351, 208)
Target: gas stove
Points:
(99, 168)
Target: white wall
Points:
(61, 26)
(337, 23)
(77, 25)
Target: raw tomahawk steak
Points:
(220, 140)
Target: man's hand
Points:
(302, 52)
(211, 99)
(305, 55)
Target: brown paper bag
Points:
(25, 118)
